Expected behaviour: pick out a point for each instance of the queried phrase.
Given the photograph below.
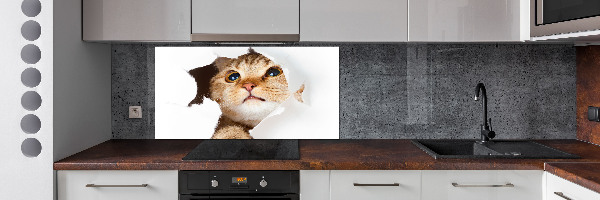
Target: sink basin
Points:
(493, 149)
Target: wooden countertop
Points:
(374, 154)
(332, 155)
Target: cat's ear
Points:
(251, 50)
(203, 75)
(221, 62)
(298, 94)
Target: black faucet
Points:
(486, 130)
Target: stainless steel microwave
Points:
(556, 17)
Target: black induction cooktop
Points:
(254, 149)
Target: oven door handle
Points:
(249, 196)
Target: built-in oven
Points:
(233, 185)
(554, 17)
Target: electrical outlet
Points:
(135, 112)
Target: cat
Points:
(247, 88)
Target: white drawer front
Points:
(162, 185)
(314, 184)
(342, 185)
(475, 184)
(567, 188)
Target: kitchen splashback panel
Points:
(407, 90)
(295, 90)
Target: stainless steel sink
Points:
(492, 149)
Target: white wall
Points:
(82, 84)
(23, 177)
(74, 88)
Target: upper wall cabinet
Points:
(307, 20)
(468, 20)
(245, 20)
(354, 20)
(136, 20)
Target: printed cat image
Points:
(247, 88)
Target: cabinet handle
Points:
(94, 185)
(361, 184)
(505, 185)
(560, 194)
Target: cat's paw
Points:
(298, 94)
(231, 132)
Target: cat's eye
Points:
(273, 71)
(232, 76)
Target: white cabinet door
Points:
(245, 17)
(371, 185)
(117, 185)
(314, 184)
(136, 20)
(561, 189)
(482, 184)
(468, 20)
(353, 20)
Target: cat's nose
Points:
(249, 86)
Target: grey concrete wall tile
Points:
(381, 99)
(130, 88)
(373, 59)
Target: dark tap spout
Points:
(481, 87)
(486, 132)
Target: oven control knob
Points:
(214, 183)
(263, 183)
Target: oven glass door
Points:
(554, 11)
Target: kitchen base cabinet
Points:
(561, 189)
(117, 185)
(340, 185)
(314, 184)
(371, 185)
(482, 184)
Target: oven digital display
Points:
(239, 180)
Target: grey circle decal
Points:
(31, 54)
(31, 30)
(31, 77)
(31, 8)
(31, 100)
(31, 124)
(31, 147)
